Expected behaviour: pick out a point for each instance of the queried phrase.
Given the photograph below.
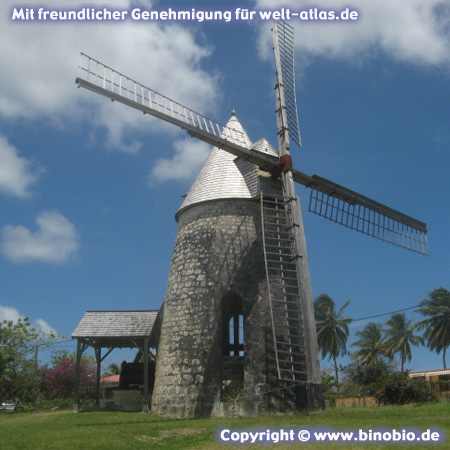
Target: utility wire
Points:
(374, 316)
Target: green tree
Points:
(332, 329)
(19, 378)
(400, 336)
(113, 369)
(436, 325)
(370, 346)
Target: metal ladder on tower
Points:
(284, 293)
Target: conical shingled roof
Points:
(224, 175)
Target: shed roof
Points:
(116, 324)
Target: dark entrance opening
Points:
(234, 327)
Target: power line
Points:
(374, 316)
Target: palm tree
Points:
(370, 344)
(400, 336)
(332, 329)
(436, 325)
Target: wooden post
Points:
(145, 406)
(76, 406)
(98, 359)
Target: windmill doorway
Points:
(234, 351)
(234, 327)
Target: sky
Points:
(89, 189)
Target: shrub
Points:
(363, 379)
(399, 389)
(58, 381)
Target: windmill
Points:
(240, 260)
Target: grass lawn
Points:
(63, 430)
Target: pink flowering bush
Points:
(58, 381)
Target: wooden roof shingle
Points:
(116, 324)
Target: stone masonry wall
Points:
(217, 252)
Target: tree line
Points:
(375, 341)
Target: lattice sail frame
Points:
(285, 47)
(117, 86)
(359, 213)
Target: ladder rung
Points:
(282, 270)
(292, 310)
(294, 371)
(278, 232)
(273, 248)
(282, 293)
(280, 280)
(286, 288)
(283, 263)
(282, 255)
(292, 319)
(291, 345)
(297, 362)
(285, 241)
(285, 380)
(276, 216)
(277, 201)
(278, 228)
(278, 239)
(296, 353)
(278, 243)
(286, 301)
(292, 334)
(275, 209)
(283, 290)
(292, 302)
(287, 296)
(284, 278)
(275, 242)
(284, 225)
(303, 372)
(293, 362)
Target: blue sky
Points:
(103, 184)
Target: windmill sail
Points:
(328, 199)
(101, 79)
(284, 55)
(357, 212)
(289, 287)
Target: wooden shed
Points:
(106, 330)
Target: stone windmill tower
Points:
(238, 332)
(216, 349)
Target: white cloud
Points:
(17, 174)
(40, 65)
(414, 31)
(44, 328)
(11, 314)
(188, 158)
(55, 240)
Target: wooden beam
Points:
(107, 354)
(79, 351)
(145, 406)
(98, 360)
